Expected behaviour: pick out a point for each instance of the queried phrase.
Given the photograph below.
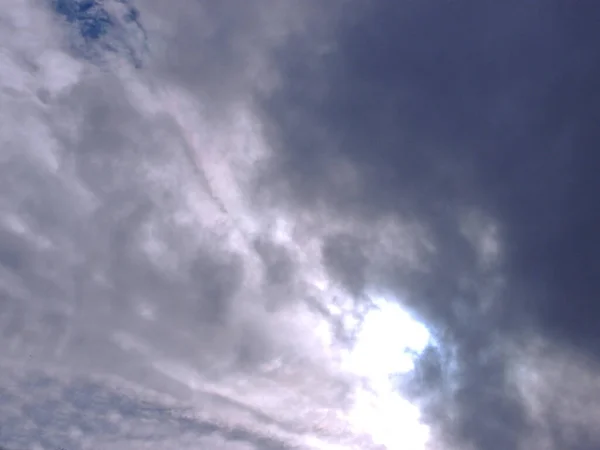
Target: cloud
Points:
(129, 247)
(77, 411)
(209, 199)
(476, 123)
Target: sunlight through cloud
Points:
(387, 343)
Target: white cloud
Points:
(128, 235)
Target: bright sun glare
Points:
(386, 344)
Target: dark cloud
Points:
(218, 280)
(444, 108)
(279, 266)
(343, 257)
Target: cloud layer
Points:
(474, 121)
(216, 193)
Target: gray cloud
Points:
(443, 110)
(344, 259)
(129, 248)
(197, 219)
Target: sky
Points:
(315, 225)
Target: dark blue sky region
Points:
(98, 31)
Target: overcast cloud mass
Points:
(202, 203)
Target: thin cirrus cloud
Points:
(204, 207)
